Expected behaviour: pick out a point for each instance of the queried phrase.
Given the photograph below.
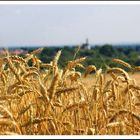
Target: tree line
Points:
(100, 56)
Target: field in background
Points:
(38, 98)
(91, 78)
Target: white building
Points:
(86, 45)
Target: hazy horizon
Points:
(52, 25)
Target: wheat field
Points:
(44, 99)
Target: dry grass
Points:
(43, 99)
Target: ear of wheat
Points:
(89, 69)
(119, 61)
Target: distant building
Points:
(86, 45)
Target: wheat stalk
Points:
(119, 61)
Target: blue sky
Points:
(68, 24)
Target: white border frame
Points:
(70, 3)
(70, 137)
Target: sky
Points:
(29, 25)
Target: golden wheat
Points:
(119, 61)
(44, 99)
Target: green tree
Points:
(107, 50)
